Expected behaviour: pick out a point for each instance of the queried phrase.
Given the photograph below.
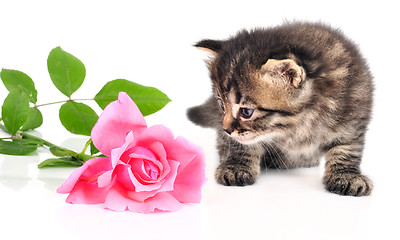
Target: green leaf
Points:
(16, 148)
(60, 162)
(78, 118)
(15, 110)
(61, 152)
(66, 71)
(148, 99)
(84, 157)
(26, 141)
(14, 79)
(93, 149)
(34, 120)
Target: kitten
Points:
(284, 97)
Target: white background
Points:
(150, 42)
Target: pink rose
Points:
(146, 168)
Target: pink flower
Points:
(146, 168)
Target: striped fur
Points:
(283, 97)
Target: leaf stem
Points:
(45, 104)
(81, 156)
(86, 146)
(63, 101)
(46, 143)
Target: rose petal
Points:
(116, 153)
(71, 181)
(118, 201)
(178, 148)
(170, 178)
(146, 171)
(141, 196)
(139, 187)
(139, 153)
(91, 168)
(184, 151)
(162, 201)
(191, 172)
(158, 149)
(124, 176)
(166, 187)
(143, 151)
(117, 119)
(187, 188)
(156, 133)
(82, 184)
(163, 185)
(105, 179)
(87, 193)
(160, 161)
(128, 179)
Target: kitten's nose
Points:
(228, 131)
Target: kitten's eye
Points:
(246, 112)
(221, 104)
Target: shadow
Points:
(54, 177)
(76, 143)
(17, 171)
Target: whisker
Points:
(278, 155)
(282, 146)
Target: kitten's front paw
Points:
(235, 175)
(348, 184)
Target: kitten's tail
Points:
(206, 114)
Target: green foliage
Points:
(14, 79)
(93, 149)
(20, 113)
(78, 118)
(61, 152)
(148, 99)
(66, 71)
(34, 120)
(61, 162)
(17, 147)
(15, 110)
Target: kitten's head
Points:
(258, 96)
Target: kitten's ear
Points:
(211, 46)
(287, 69)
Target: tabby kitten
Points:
(284, 97)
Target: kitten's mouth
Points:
(244, 137)
(249, 138)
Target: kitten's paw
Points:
(348, 184)
(235, 175)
